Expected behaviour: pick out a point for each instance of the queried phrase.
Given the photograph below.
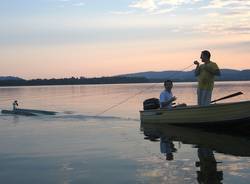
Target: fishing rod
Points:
(140, 92)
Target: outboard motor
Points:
(152, 103)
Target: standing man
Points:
(205, 74)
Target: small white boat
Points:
(213, 114)
(28, 112)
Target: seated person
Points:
(166, 97)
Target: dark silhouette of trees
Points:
(74, 81)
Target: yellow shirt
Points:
(205, 78)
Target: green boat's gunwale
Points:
(198, 107)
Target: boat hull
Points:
(18, 112)
(28, 112)
(229, 113)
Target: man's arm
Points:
(197, 69)
(165, 104)
(215, 71)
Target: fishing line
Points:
(140, 92)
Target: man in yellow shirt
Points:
(205, 74)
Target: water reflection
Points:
(207, 143)
(167, 147)
(208, 172)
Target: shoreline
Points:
(118, 83)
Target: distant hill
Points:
(226, 74)
(9, 78)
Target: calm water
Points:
(76, 146)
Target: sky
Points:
(93, 38)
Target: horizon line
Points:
(116, 75)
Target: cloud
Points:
(71, 3)
(228, 16)
(177, 2)
(230, 4)
(160, 6)
(163, 11)
(220, 28)
(122, 12)
(148, 5)
(78, 4)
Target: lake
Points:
(83, 145)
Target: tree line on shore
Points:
(144, 77)
(74, 81)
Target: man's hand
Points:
(196, 63)
(197, 70)
(173, 98)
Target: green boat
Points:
(214, 114)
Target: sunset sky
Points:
(64, 38)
